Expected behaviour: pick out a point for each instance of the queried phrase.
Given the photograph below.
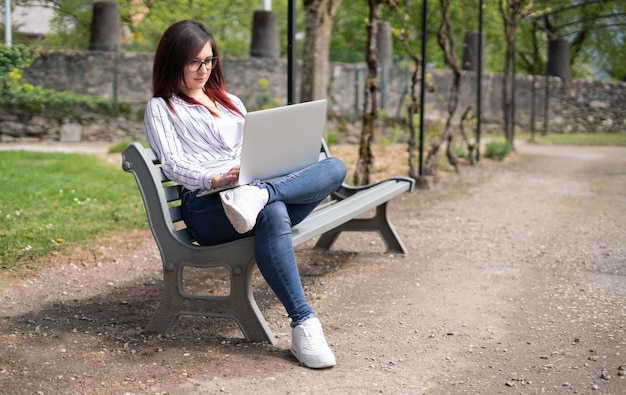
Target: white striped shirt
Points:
(192, 144)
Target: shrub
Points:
(497, 150)
(19, 95)
(331, 138)
(15, 57)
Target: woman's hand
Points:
(225, 179)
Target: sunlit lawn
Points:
(49, 201)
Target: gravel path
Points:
(514, 284)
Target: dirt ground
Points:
(514, 283)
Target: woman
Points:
(195, 126)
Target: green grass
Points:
(120, 146)
(49, 201)
(614, 139)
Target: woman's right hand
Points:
(225, 179)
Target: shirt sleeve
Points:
(176, 163)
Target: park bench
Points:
(161, 197)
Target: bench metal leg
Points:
(239, 305)
(379, 223)
(165, 316)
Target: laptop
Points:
(279, 141)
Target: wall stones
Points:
(576, 106)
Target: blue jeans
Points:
(291, 199)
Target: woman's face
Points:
(198, 70)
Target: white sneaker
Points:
(309, 345)
(243, 204)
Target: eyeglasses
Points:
(209, 64)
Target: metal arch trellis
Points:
(551, 32)
(589, 19)
(596, 27)
(291, 60)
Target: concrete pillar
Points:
(385, 58)
(384, 43)
(265, 42)
(558, 58)
(470, 52)
(106, 31)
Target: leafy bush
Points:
(15, 57)
(331, 138)
(460, 151)
(497, 150)
(264, 99)
(19, 95)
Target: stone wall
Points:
(89, 127)
(578, 106)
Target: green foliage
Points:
(433, 131)
(230, 21)
(596, 51)
(264, 99)
(348, 39)
(391, 138)
(331, 138)
(71, 24)
(349, 30)
(145, 20)
(460, 151)
(16, 57)
(596, 48)
(19, 95)
(594, 32)
(497, 150)
(46, 205)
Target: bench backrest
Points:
(161, 196)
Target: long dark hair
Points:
(180, 43)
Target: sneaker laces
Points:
(313, 338)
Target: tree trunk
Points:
(510, 13)
(414, 104)
(319, 16)
(370, 101)
(445, 38)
